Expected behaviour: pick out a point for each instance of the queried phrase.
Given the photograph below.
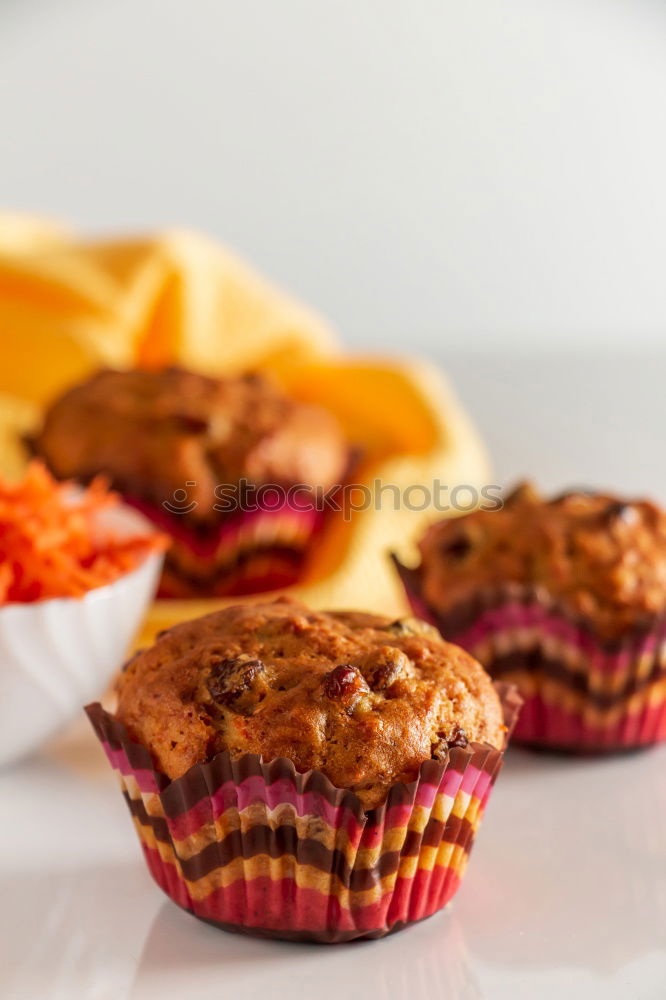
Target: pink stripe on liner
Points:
(167, 877)
(513, 616)
(281, 905)
(548, 724)
(253, 790)
(643, 657)
(475, 781)
(229, 528)
(144, 778)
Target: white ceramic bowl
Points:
(57, 655)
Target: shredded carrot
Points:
(52, 543)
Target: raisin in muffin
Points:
(194, 453)
(362, 699)
(567, 598)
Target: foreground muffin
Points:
(193, 453)
(564, 597)
(306, 775)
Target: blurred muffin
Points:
(565, 597)
(197, 455)
(315, 774)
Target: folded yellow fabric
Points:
(69, 306)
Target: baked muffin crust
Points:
(357, 696)
(157, 432)
(603, 557)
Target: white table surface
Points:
(565, 895)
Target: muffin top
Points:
(362, 698)
(156, 432)
(602, 557)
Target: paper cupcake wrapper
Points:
(581, 692)
(261, 849)
(255, 573)
(248, 552)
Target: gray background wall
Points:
(434, 174)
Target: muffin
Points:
(229, 468)
(306, 775)
(565, 598)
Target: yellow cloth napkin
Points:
(69, 306)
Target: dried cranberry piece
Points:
(233, 681)
(191, 423)
(457, 548)
(383, 666)
(456, 738)
(412, 626)
(344, 684)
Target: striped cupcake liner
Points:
(252, 572)
(261, 849)
(246, 552)
(581, 693)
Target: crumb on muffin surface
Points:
(603, 557)
(362, 698)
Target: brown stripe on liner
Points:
(534, 663)
(230, 566)
(457, 830)
(284, 841)
(110, 730)
(158, 823)
(462, 616)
